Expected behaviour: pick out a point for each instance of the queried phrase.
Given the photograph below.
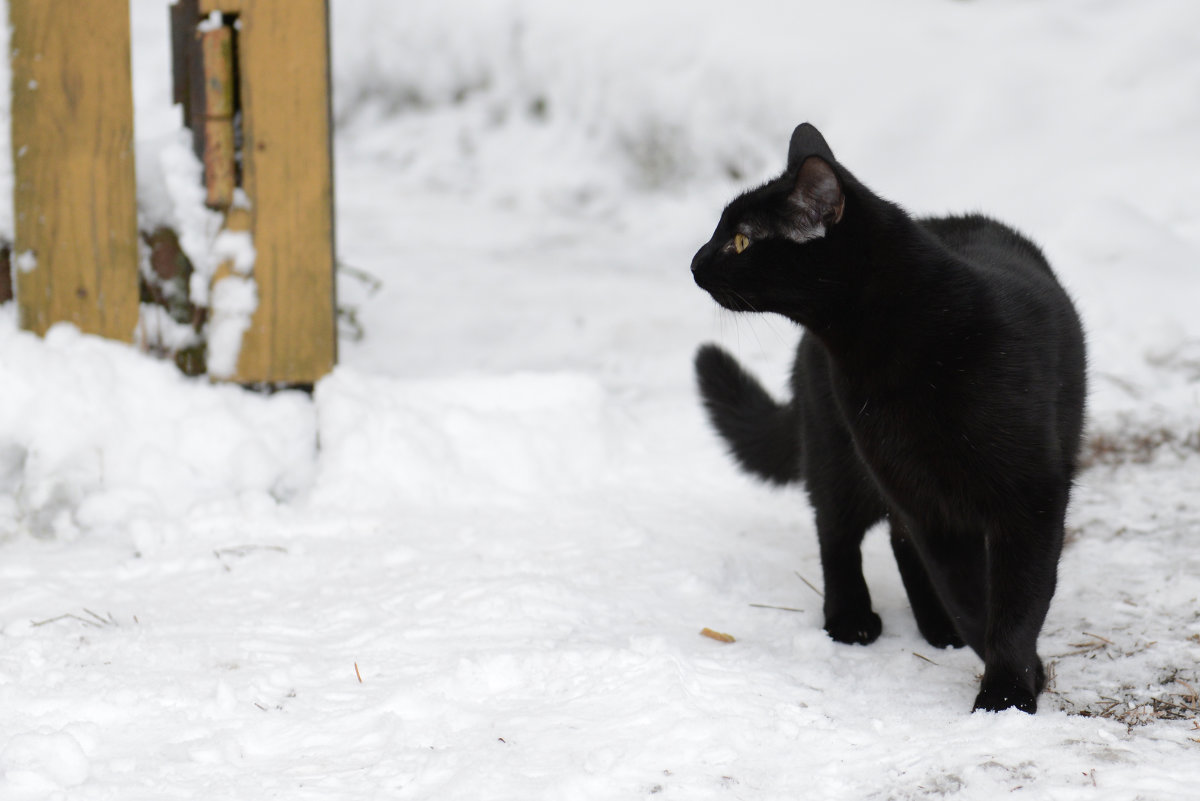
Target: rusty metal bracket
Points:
(204, 57)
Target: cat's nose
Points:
(699, 273)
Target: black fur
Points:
(764, 436)
(939, 385)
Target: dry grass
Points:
(1136, 709)
(88, 618)
(1137, 447)
(1172, 697)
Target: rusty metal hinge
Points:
(204, 36)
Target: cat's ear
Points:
(807, 141)
(818, 191)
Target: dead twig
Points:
(770, 606)
(811, 586)
(94, 620)
(1194, 698)
(67, 616)
(242, 551)
(246, 550)
(1138, 713)
(1097, 643)
(717, 635)
(104, 621)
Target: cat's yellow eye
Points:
(741, 242)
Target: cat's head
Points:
(768, 236)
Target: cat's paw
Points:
(1005, 688)
(942, 638)
(856, 629)
(1000, 698)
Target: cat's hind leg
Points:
(1022, 573)
(933, 621)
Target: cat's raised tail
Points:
(762, 434)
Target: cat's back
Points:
(1037, 350)
(1008, 268)
(987, 242)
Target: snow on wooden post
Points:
(75, 254)
(277, 54)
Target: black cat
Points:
(939, 384)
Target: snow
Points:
(476, 561)
(25, 261)
(171, 194)
(234, 299)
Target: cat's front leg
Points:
(848, 614)
(847, 503)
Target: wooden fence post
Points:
(278, 53)
(283, 48)
(75, 255)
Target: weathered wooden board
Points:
(226, 6)
(76, 248)
(283, 64)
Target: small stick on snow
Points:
(717, 635)
(769, 606)
(927, 659)
(356, 673)
(67, 616)
(810, 584)
(109, 621)
(1192, 694)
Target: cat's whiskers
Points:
(754, 315)
(752, 321)
(736, 318)
(743, 299)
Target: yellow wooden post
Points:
(260, 68)
(283, 66)
(75, 250)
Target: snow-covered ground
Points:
(475, 563)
